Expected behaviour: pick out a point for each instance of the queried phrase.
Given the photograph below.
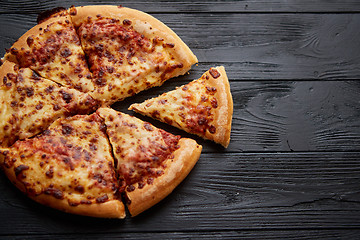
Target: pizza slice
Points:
(52, 49)
(203, 107)
(128, 51)
(29, 103)
(150, 161)
(69, 167)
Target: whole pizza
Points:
(61, 143)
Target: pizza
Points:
(128, 51)
(62, 145)
(203, 107)
(29, 103)
(52, 49)
(70, 166)
(150, 161)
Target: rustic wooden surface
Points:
(292, 169)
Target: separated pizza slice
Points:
(29, 103)
(69, 167)
(52, 49)
(128, 51)
(203, 107)
(150, 161)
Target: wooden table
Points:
(292, 169)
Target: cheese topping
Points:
(71, 160)
(55, 53)
(142, 150)
(190, 107)
(29, 104)
(123, 61)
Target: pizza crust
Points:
(7, 67)
(224, 111)
(109, 209)
(177, 169)
(143, 23)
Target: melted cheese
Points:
(29, 104)
(123, 61)
(190, 107)
(71, 160)
(8, 116)
(53, 50)
(141, 149)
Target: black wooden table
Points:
(292, 169)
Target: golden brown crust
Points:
(224, 111)
(9, 172)
(143, 23)
(109, 209)
(177, 169)
(7, 67)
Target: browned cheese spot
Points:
(148, 127)
(19, 170)
(214, 103)
(214, 73)
(126, 22)
(67, 129)
(102, 199)
(29, 41)
(212, 129)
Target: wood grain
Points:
(269, 235)
(242, 192)
(260, 47)
(292, 167)
(281, 115)
(176, 6)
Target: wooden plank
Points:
(154, 6)
(256, 47)
(296, 116)
(224, 192)
(269, 235)
(281, 115)
(272, 115)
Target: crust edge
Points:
(7, 67)
(184, 160)
(111, 209)
(225, 110)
